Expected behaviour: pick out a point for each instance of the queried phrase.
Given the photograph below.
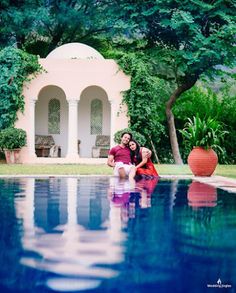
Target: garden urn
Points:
(202, 162)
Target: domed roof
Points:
(74, 51)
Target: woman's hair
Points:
(135, 153)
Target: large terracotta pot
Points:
(202, 162)
(12, 156)
(202, 195)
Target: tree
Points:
(186, 40)
(39, 26)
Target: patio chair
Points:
(102, 146)
(45, 146)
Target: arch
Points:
(92, 96)
(50, 103)
(50, 87)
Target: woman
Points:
(143, 164)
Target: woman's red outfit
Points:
(146, 170)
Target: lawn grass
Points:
(57, 169)
(226, 170)
(80, 169)
(221, 170)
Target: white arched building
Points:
(77, 98)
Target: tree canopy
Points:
(185, 39)
(40, 26)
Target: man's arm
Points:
(146, 153)
(110, 161)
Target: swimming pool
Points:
(98, 234)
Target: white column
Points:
(31, 133)
(72, 151)
(112, 122)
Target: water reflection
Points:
(202, 195)
(10, 227)
(73, 231)
(202, 232)
(73, 234)
(125, 197)
(53, 230)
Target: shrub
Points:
(12, 138)
(136, 135)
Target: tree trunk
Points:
(171, 121)
(154, 151)
(173, 136)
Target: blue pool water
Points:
(97, 234)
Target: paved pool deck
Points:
(225, 183)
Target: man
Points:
(119, 158)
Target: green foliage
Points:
(136, 135)
(40, 26)
(217, 102)
(145, 96)
(206, 133)
(12, 138)
(199, 99)
(15, 66)
(228, 117)
(188, 37)
(185, 39)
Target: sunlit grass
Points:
(226, 170)
(67, 169)
(78, 169)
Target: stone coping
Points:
(225, 183)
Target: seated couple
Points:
(129, 159)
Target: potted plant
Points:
(203, 137)
(11, 141)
